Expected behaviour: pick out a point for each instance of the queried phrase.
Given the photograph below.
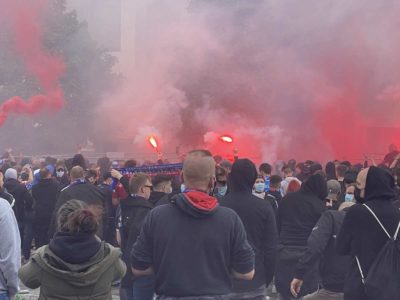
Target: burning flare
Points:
(153, 142)
(226, 139)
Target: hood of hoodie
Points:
(79, 275)
(379, 185)
(196, 204)
(315, 185)
(243, 176)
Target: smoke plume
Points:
(22, 20)
(314, 79)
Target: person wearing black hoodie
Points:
(297, 216)
(258, 219)
(193, 245)
(361, 235)
(321, 247)
(45, 196)
(80, 189)
(162, 186)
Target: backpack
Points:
(383, 279)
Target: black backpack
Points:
(383, 279)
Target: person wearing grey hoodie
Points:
(10, 252)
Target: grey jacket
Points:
(10, 249)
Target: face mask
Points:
(60, 173)
(221, 190)
(349, 198)
(259, 187)
(183, 188)
(357, 195)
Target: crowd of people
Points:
(219, 230)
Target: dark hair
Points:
(292, 163)
(220, 171)
(91, 173)
(106, 176)
(266, 168)
(315, 167)
(330, 171)
(104, 163)
(159, 179)
(275, 180)
(341, 170)
(78, 160)
(346, 163)
(130, 163)
(50, 160)
(43, 173)
(76, 216)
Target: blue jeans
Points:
(143, 288)
(4, 296)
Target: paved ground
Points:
(34, 295)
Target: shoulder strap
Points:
(376, 218)
(361, 271)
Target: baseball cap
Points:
(334, 189)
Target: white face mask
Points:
(259, 187)
(60, 173)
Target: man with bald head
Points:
(361, 235)
(79, 189)
(193, 245)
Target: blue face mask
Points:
(349, 198)
(259, 187)
(183, 188)
(221, 190)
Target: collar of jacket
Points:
(135, 200)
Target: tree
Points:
(89, 77)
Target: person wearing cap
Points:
(334, 190)
(321, 248)
(23, 208)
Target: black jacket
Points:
(133, 212)
(275, 199)
(86, 192)
(156, 197)
(321, 247)
(192, 249)
(258, 219)
(44, 195)
(300, 211)
(23, 207)
(361, 234)
(7, 196)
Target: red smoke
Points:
(23, 19)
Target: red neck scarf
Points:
(201, 200)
